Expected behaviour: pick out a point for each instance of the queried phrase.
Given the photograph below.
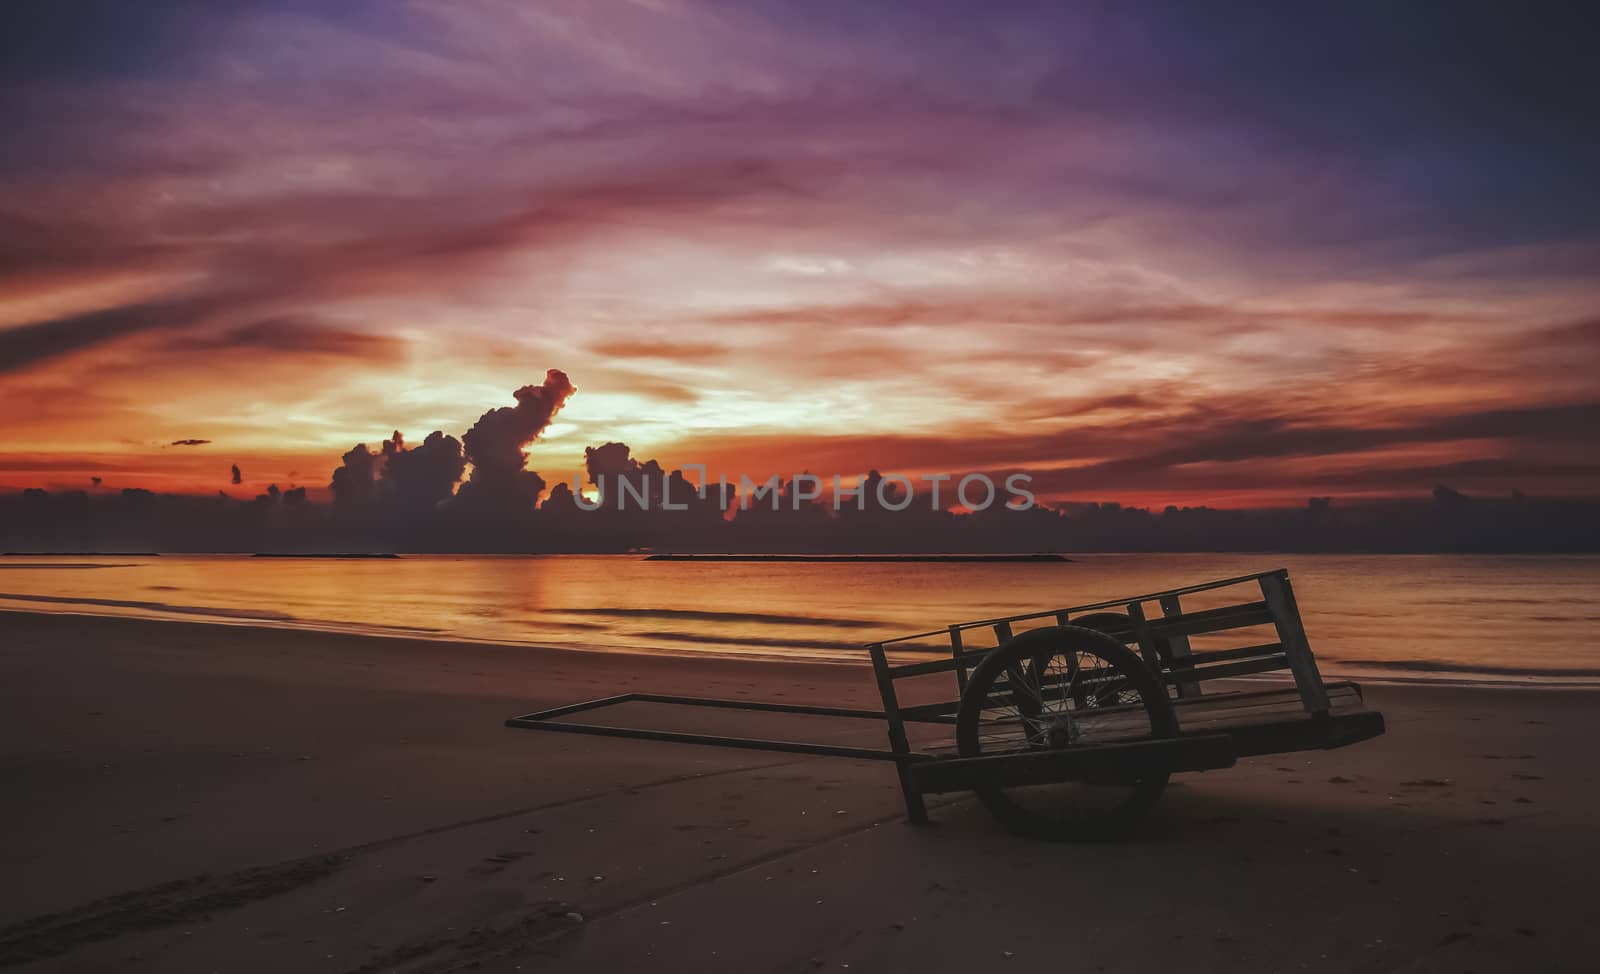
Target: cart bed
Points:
(1257, 721)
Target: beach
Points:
(188, 796)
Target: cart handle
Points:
(543, 720)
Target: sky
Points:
(1148, 253)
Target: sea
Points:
(1520, 620)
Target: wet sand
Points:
(193, 797)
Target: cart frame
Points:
(1162, 641)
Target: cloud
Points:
(25, 345)
(353, 481)
(422, 477)
(1042, 307)
(293, 336)
(644, 385)
(189, 442)
(415, 496)
(496, 444)
(673, 351)
(1035, 211)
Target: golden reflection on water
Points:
(1469, 618)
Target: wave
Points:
(701, 615)
(1442, 666)
(200, 610)
(773, 642)
(280, 620)
(1515, 600)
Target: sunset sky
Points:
(1155, 257)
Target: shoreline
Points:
(1421, 677)
(443, 639)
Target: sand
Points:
(192, 797)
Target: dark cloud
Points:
(413, 496)
(188, 442)
(1175, 449)
(295, 336)
(397, 481)
(353, 481)
(236, 477)
(624, 484)
(496, 444)
(28, 344)
(1276, 437)
(968, 308)
(422, 478)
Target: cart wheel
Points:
(1063, 687)
(1117, 625)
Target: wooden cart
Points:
(1070, 724)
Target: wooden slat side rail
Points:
(1223, 663)
(1178, 645)
(1279, 596)
(965, 661)
(1216, 711)
(1213, 620)
(1088, 607)
(1197, 665)
(925, 711)
(1213, 711)
(1201, 657)
(1003, 696)
(1233, 697)
(1222, 671)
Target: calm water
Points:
(1510, 620)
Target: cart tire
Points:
(1117, 625)
(1073, 811)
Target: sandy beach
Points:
(194, 797)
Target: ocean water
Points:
(1497, 620)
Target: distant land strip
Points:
(336, 554)
(861, 558)
(83, 554)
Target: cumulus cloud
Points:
(353, 481)
(422, 477)
(496, 444)
(399, 489)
